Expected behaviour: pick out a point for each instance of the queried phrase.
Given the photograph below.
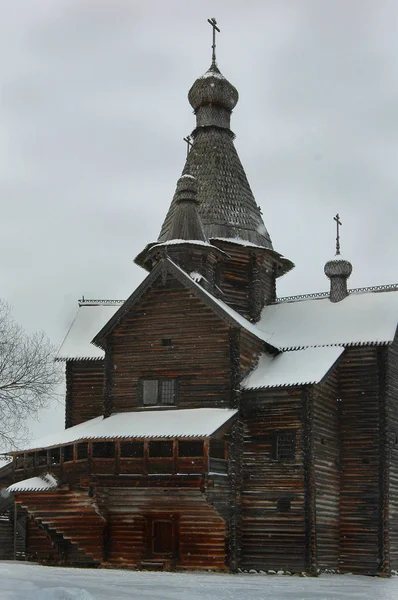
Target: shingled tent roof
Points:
(226, 203)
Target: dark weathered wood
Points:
(326, 449)
(391, 456)
(84, 390)
(360, 492)
(247, 278)
(198, 355)
(271, 539)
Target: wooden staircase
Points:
(71, 516)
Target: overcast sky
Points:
(93, 110)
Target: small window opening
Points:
(192, 448)
(20, 462)
(55, 456)
(30, 460)
(103, 450)
(41, 458)
(168, 391)
(82, 450)
(217, 449)
(166, 342)
(365, 461)
(284, 504)
(161, 449)
(132, 449)
(284, 445)
(68, 453)
(323, 441)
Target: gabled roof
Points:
(224, 311)
(90, 318)
(145, 424)
(300, 367)
(364, 318)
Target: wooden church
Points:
(209, 423)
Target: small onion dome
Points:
(338, 267)
(187, 189)
(213, 88)
(338, 271)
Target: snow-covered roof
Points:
(361, 318)
(184, 423)
(89, 320)
(35, 484)
(4, 461)
(300, 367)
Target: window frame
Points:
(159, 395)
(276, 455)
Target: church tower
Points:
(243, 266)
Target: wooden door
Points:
(162, 536)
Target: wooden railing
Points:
(71, 467)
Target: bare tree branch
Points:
(28, 377)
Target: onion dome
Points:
(213, 88)
(338, 271)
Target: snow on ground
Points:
(27, 581)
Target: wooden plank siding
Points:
(66, 516)
(326, 449)
(198, 356)
(84, 391)
(201, 529)
(247, 278)
(392, 450)
(271, 539)
(361, 498)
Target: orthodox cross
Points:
(188, 141)
(213, 23)
(338, 224)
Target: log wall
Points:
(392, 450)
(326, 450)
(84, 391)
(200, 528)
(6, 536)
(39, 545)
(271, 539)
(247, 279)
(198, 354)
(361, 502)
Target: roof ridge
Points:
(96, 302)
(390, 287)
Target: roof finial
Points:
(213, 23)
(338, 224)
(188, 141)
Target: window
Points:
(82, 450)
(190, 448)
(132, 449)
(217, 449)
(68, 453)
(284, 445)
(20, 462)
(284, 505)
(159, 391)
(161, 449)
(41, 458)
(55, 456)
(103, 450)
(166, 342)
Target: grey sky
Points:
(93, 109)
